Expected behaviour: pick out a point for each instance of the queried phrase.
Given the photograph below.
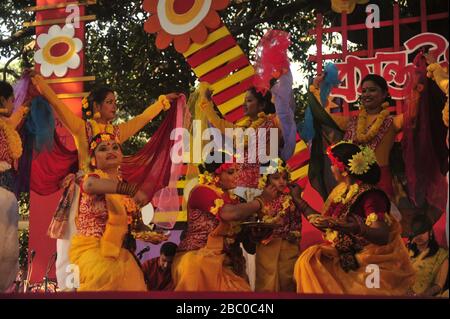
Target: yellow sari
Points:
(207, 269)
(383, 269)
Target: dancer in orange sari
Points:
(209, 257)
(363, 253)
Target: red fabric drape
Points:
(149, 167)
(49, 169)
(423, 145)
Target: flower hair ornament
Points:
(360, 162)
(103, 137)
(276, 166)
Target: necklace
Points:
(361, 126)
(349, 192)
(262, 117)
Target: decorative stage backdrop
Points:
(196, 31)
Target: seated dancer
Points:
(209, 257)
(10, 152)
(359, 232)
(99, 110)
(102, 223)
(276, 256)
(430, 262)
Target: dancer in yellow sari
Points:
(98, 110)
(363, 253)
(209, 257)
(102, 223)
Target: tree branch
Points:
(286, 10)
(5, 69)
(9, 71)
(23, 33)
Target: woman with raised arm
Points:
(10, 152)
(99, 110)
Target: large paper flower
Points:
(58, 64)
(182, 21)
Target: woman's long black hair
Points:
(97, 95)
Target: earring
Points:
(345, 174)
(385, 105)
(97, 115)
(93, 162)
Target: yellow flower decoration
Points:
(84, 103)
(205, 178)
(374, 129)
(262, 182)
(371, 219)
(358, 164)
(352, 191)
(13, 140)
(369, 155)
(109, 128)
(331, 235)
(218, 204)
(94, 145)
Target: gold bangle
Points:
(261, 202)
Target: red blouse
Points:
(249, 174)
(204, 206)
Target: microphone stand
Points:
(29, 270)
(49, 267)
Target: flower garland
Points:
(349, 192)
(361, 126)
(286, 204)
(248, 123)
(109, 128)
(13, 141)
(218, 204)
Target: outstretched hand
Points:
(318, 79)
(430, 58)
